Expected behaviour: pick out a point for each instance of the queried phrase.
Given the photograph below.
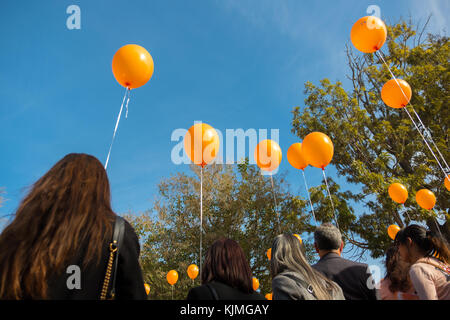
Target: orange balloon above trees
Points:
(318, 149)
(268, 155)
(398, 192)
(132, 66)
(368, 34)
(396, 94)
(192, 271)
(172, 277)
(201, 144)
(392, 231)
(295, 156)
(426, 199)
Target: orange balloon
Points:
(396, 95)
(298, 237)
(318, 149)
(192, 271)
(392, 231)
(255, 283)
(295, 156)
(269, 253)
(172, 277)
(398, 192)
(268, 155)
(147, 288)
(269, 296)
(201, 144)
(132, 66)
(426, 199)
(447, 182)
(368, 34)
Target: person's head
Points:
(328, 238)
(225, 262)
(66, 208)
(287, 256)
(397, 271)
(415, 242)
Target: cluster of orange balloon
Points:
(201, 144)
(368, 35)
(172, 276)
(132, 66)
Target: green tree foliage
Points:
(238, 203)
(376, 145)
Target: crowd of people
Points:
(66, 220)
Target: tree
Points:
(376, 145)
(237, 203)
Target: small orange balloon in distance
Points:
(298, 237)
(295, 156)
(269, 296)
(201, 144)
(368, 34)
(147, 288)
(398, 192)
(132, 66)
(392, 231)
(396, 94)
(447, 182)
(172, 277)
(192, 271)
(426, 199)
(268, 155)
(255, 283)
(318, 149)
(269, 253)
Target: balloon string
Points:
(117, 125)
(309, 197)
(126, 106)
(437, 225)
(331, 200)
(201, 217)
(275, 201)
(412, 120)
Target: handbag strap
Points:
(213, 291)
(114, 247)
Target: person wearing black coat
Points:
(354, 278)
(226, 274)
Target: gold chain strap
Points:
(112, 249)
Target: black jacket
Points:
(129, 281)
(352, 277)
(224, 292)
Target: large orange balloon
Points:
(192, 271)
(172, 277)
(132, 66)
(447, 182)
(255, 283)
(269, 253)
(398, 192)
(368, 34)
(268, 155)
(295, 156)
(318, 149)
(426, 199)
(201, 144)
(392, 231)
(147, 288)
(396, 95)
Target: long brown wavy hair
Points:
(69, 207)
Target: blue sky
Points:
(230, 63)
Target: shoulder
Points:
(199, 293)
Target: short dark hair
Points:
(327, 237)
(225, 262)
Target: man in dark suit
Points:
(354, 278)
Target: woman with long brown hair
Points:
(57, 246)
